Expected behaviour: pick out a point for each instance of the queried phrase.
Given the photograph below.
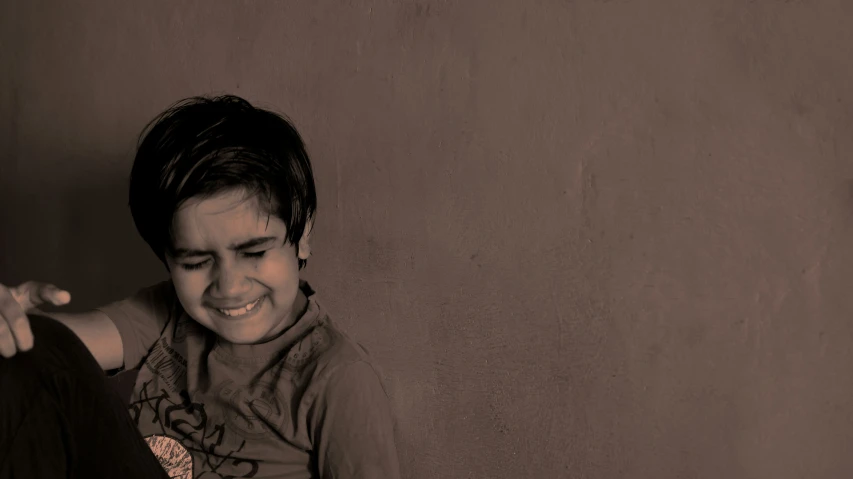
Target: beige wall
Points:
(585, 239)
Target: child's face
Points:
(233, 271)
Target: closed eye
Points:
(194, 266)
(198, 266)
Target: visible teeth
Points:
(241, 311)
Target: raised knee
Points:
(50, 331)
(55, 346)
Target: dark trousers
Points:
(60, 417)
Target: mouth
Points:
(243, 311)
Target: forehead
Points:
(230, 201)
(228, 216)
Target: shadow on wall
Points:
(80, 236)
(102, 257)
(105, 256)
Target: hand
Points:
(15, 303)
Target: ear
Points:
(304, 249)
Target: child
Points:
(241, 371)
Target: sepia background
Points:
(583, 239)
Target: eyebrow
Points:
(179, 253)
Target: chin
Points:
(241, 339)
(233, 333)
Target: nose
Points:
(230, 282)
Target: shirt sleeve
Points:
(141, 319)
(353, 427)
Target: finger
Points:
(23, 333)
(22, 294)
(33, 293)
(14, 325)
(7, 342)
(54, 295)
(15, 319)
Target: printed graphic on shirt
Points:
(212, 423)
(181, 329)
(254, 414)
(168, 364)
(173, 456)
(304, 350)
(215, 449)
(162, 408)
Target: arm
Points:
(96, 330)
(353, 427)
(118, 334)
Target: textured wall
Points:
(585, 239)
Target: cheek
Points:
(281, 277)
(189, 288)
(280, 267)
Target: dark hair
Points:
(203, 145)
